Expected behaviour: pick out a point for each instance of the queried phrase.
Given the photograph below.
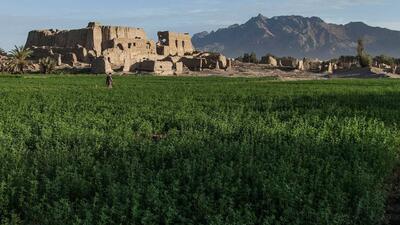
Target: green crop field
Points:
(211, 150)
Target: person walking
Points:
(109, 81)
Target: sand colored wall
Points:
(94, 37)
(178, 43)
(56, 38)
(119, 48)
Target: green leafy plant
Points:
(47, 65)
(364, 58)
(195, 150)
(19, 56)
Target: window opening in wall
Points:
(120, 46)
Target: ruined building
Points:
(107, 49)
(174, 44)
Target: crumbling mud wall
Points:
(171, 43)
(93, 37)
(113, 48)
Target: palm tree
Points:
(2, 52)
(19, 56)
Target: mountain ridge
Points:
(298, 36)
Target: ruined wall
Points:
(312, 65)
(94, 37)
(269, 60)
(288, 62)
(122, 49)
(110, 33)
(134, 46)
(56, 38)
(171, 43)
(157, 67)
(193, 64)
(101, 66)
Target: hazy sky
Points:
(18, 17)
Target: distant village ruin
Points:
(108, 49)
(102, 49)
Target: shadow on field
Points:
(384, 107)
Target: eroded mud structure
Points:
(107, 49)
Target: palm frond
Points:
(20, 53)
(19, 56)
(2, 52)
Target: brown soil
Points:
(260, 70)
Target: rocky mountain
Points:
(298, 36)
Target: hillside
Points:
(298, 36)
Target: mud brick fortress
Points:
(108, 49)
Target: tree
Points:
(47, 65)
(364, 59)
(2, 52)
(249, 58)
(253, 58)
(246, 58)
(266, 59)
(390, 61)
(360, 47)
(348, 59)
(19, 56)
(387, 60)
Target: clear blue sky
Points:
(17, 17)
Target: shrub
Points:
(388, 60)
(248, 58)
(47, 65)
(365, 60)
